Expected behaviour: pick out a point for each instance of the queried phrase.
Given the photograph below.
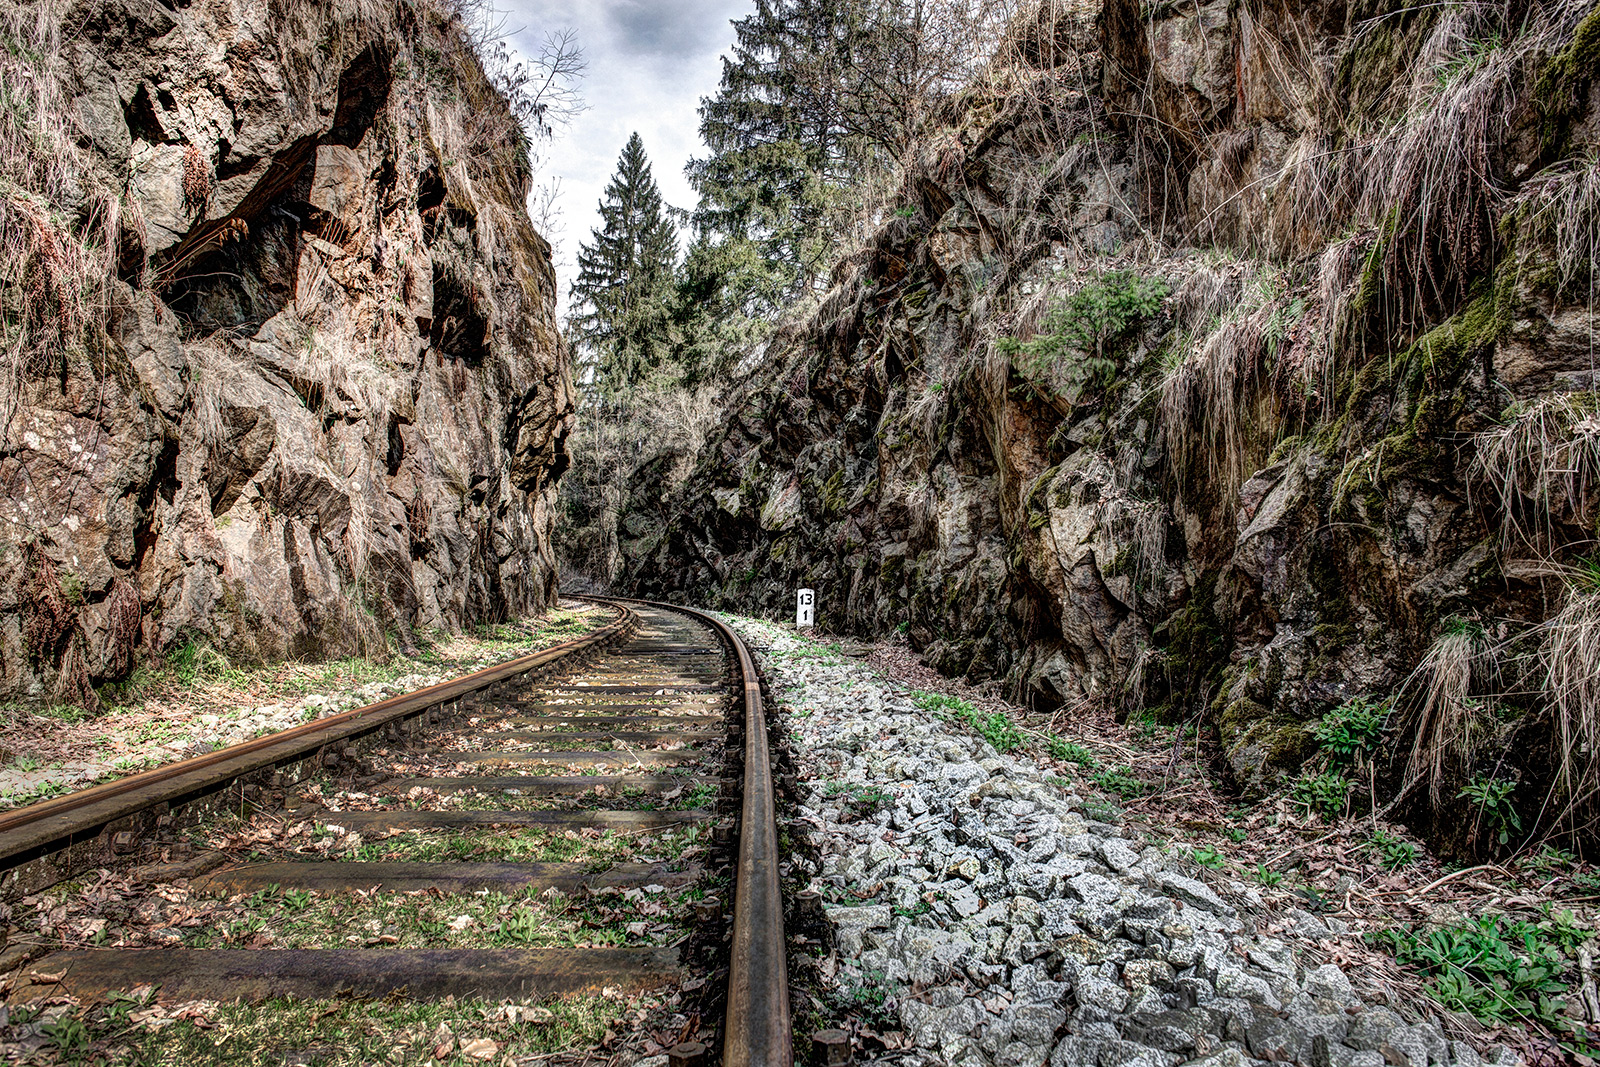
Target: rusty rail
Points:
(759, 1031)
(38, 829)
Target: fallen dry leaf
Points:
(481, 1049)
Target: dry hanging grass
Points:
(1215, 413)
(1565, 198)
(1449, 723)
(1337, 287)
(196, 180)
(48, 617)
(1572, 671)
(1140, 525)
(1570, 656)
(1541, 465)
(56, 264)
(1432, 189)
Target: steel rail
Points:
(759, 1031)
(74, 815)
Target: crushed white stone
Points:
(1012, 928)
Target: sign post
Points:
(805, 610)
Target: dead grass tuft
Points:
(1448, 723)
(1216, 414)
(49, 618)
(1336, 292)
(1542, 466)
(196, 180)
(123, 621)
(1432, 187)
(1570, 656)
(1565, 198)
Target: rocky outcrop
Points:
(325, 398)
(1172, 381)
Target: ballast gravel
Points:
(1008, 925)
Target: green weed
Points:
(1120, 780)
(1493, 799)
(1352, 730)
(1071, 752)
(68, 1036)
(1324, 794)
(1494, 967)
(860, 799)
(1394, 852)
(995, 727)
(867, 999)
(68, 713)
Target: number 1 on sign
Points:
(805, 610)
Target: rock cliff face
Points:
(317, 391)
(1189, 373)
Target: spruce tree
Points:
(779, 139)
(814, 93)
(621, 319)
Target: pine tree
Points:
(621, 320)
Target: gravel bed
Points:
(1006, 920)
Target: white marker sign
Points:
(805, 609)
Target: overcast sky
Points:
(650, 62)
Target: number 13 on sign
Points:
(805, 609)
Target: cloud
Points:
(666, 30)
(650, 62)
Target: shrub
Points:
(1078, 337)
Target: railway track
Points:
(540, 798)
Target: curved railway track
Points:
(650, 731)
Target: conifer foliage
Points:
(815, 95)
(622, 298)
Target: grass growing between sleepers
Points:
(597, 848)
(326, 1033)
(297, 918)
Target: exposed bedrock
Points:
(1242, 498)
(329, 400)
